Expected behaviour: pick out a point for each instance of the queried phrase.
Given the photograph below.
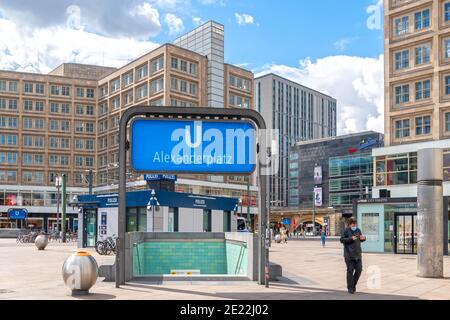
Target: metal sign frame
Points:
(192, 172)
(200, 114)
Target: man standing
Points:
(351, 239)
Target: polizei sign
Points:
(190, 146)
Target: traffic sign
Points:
(191, 146)
(17, 214)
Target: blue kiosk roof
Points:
(164, 198)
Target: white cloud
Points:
(127, 18)
(174, 23)
(42, 49)
(341, 44)
(244, 19)
(197, 21)
(356, 83)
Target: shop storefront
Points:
(172, 212)
(390, 225)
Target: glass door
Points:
(405, 234)
(90, 217)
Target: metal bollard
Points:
(80, 272)
(41, 241)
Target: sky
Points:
(330, 45)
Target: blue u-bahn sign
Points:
(191, 146)
(17, 214)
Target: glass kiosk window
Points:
(137, 219)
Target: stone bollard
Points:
(430, 259)
(80, 272)
(41, 241)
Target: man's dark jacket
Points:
(352, 248)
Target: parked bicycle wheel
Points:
(99, 247)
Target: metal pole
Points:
(153, 219)
(90, 181)
(314, 213)
(430, 258)
(63, 205)
(57, 209)
(249, 219)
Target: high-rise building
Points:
(300, 114)
(67, 121)
(417, 91)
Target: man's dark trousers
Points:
(354, 270)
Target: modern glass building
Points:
(325, 176)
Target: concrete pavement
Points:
(310, 272)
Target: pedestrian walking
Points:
(323, 237)
(351, 239)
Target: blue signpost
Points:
(17, 214)
(171, 140)
(190, 146)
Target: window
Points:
(128, 79)
(79, 161)
(142, 92)
(65, 108)
(28, 105)
(402, 94)
(39, 88)
(422, 19)
(402, 129)
(401, 25)
(402, 60)
(2, 103)
(174, 63)
(447, 85)
(28, 141)
(90, 110)
(193, 89)
(193, 68)
(2, 85)
(80, 92)
(232, 81)
(79, 109)
(89, 127)
(422, 54)
(39, 124)
(423, 89)
(447, 121)
(183, 86)
(423, 125)
(447, 11)
(65, 125)
(157, 85)
(247, 84)
(54, 107)
(27, 159)
(28, 123)
(115, 85)
(447, 48)
(157, 64)
(174, 84)
(142, 72)
(89, 161)
(232, 100)
(13, 86)
(28, 88)
(54, 90)
(12, 105)
(65, 91)
(183, 66)
(39, 142)
(103, 91)
(39, 106)
(39, 159)
(27, 176)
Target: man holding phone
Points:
(351, 239)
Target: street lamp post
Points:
(58, 182)
(152, 203)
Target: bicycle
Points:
(106, 246)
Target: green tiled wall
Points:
(211, 258)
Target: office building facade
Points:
(67, 122)
(325, 176)
(299, 114)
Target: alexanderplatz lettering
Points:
(193, 146)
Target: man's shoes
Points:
(351, 291)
